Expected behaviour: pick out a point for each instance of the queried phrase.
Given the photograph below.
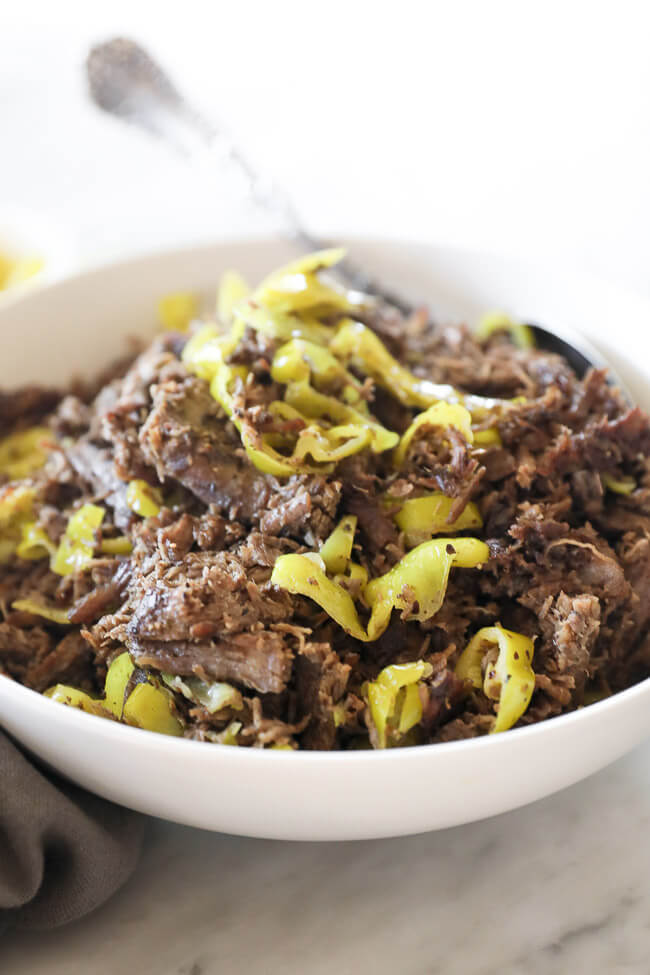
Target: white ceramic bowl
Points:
(76, 326)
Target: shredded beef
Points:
(184, 438)
(321, 681)
(562, 487)
(260, 660)
(203, 613)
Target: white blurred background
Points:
(515, 127)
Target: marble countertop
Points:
(560, 886)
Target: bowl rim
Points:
(179, 746)
(153, 741)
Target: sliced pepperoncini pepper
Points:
(417, 584)
(350, 432)
(232, 289)
(300, 360)
(77, 546)
(143, 499)
(487, 438)
(16, 504)
(496, 321)
(300, 575)
(281, 326)
(298, 363)
(147, 706)
(358, 344)
(209, 348)
(511, 681)
(53, 613)
(177, 310)
(34, 543)
(390, 710)
(315, 405)
(297, 288)
(213, 697)
(441, 415)
(22, 453)
(337, 548)
(120, 545)
(420, 518)
(622, 485)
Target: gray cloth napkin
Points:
(62, 851)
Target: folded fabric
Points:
(63, 851)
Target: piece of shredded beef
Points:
(569, 565)
(321, 681)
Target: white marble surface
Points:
(507, 126)
(561, 886)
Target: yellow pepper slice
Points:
(147, 706)
(322, 443)
(418, 581)
(497, 321)
(117, 677)
(512, 680)
(177, 310)
(389, 710)
(259, 452)
(417, 584)
(298, 574)
(143, 499)
(16, 503)
(280, 325)
(15, 270)
(440, 415)
(487, 438)
(77, 546)
(121, 545)
(297, 293)
(299, 360)
(328, 445)
(297, 287)
(420, 518)
(232, 289)
(35, 543)
(357, 344)
(213, 697)
(22, 453)
(356, 573)
(337, 548)
(411, 710)
(311, 263)
(209, 348)
(623, 485)
(53, 613)
(229, 734)
(74, 698)
(313, 404)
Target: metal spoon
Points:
(125, 81)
